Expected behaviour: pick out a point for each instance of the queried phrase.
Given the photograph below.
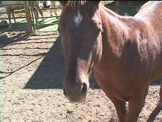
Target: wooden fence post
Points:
(28, 17)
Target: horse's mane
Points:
(76, 3)
(84, 6)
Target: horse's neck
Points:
(112, 29)
(115, 30)
(115, 21)
(151, 13)
(119, 31)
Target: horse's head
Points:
(80, 29)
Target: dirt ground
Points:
(32, 72)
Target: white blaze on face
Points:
(78, 18)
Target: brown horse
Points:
(125, 53)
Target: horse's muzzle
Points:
(75, 94)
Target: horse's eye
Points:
(98, 30)
(97, 27)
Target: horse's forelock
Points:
(84, 6)
(73, 4)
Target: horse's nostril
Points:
(84, 89)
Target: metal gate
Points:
(32, 15)
(17, 23)
(36, 23)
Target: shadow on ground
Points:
(156, 81)
(5, 40)
(51, 72)
(15, 27)
(154, 113)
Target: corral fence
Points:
(6, 18)
(121, 7)
(49, 19)
(30, 18)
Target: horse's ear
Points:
(62, 2)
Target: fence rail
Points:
(2, 5)
(12, 12)
(36, 18)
